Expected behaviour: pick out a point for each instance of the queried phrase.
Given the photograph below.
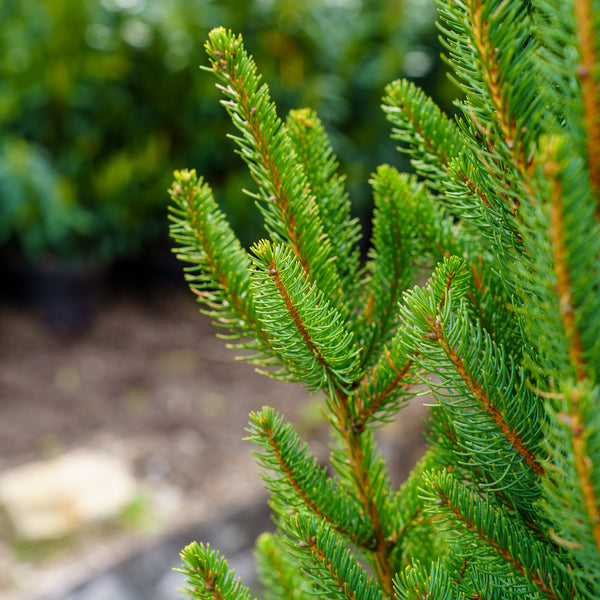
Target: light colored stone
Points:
(50, 499)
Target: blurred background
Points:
(103, 355)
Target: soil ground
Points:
(146, 380)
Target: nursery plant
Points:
(482, 283)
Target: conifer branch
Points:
(391, 257)
(562, 271)
(325, 564)
(417, 582)
(320, 166)
(512, 436)
(528, 557)
(572, 486)
(298, 322)
(284, 198)
(411, 536)
(583, 463)
(192, 228)
(505, 333)
(413, 520)
(431, 139)
(563, 274)
(334, 572)
(490, 45)
(441, 157)
(494, 78)
(277, 570)
(388, 234)
(419, 123)
(440, 238)
(475, 387)
(587, 71)
(296, 475)
(499, 91)
(219, 274)
(208, 576)
(307, 332)
(441, 426)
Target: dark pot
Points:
(64, 293)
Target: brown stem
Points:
(211, 586)
(364, 492)
(586, 38)
(498, 94)
(583, 464)
(402, 378)
(562, 271)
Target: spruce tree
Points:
(502, 216)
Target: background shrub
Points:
(98, 104)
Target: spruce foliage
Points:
(503, 215)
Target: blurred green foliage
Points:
(100, 100)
